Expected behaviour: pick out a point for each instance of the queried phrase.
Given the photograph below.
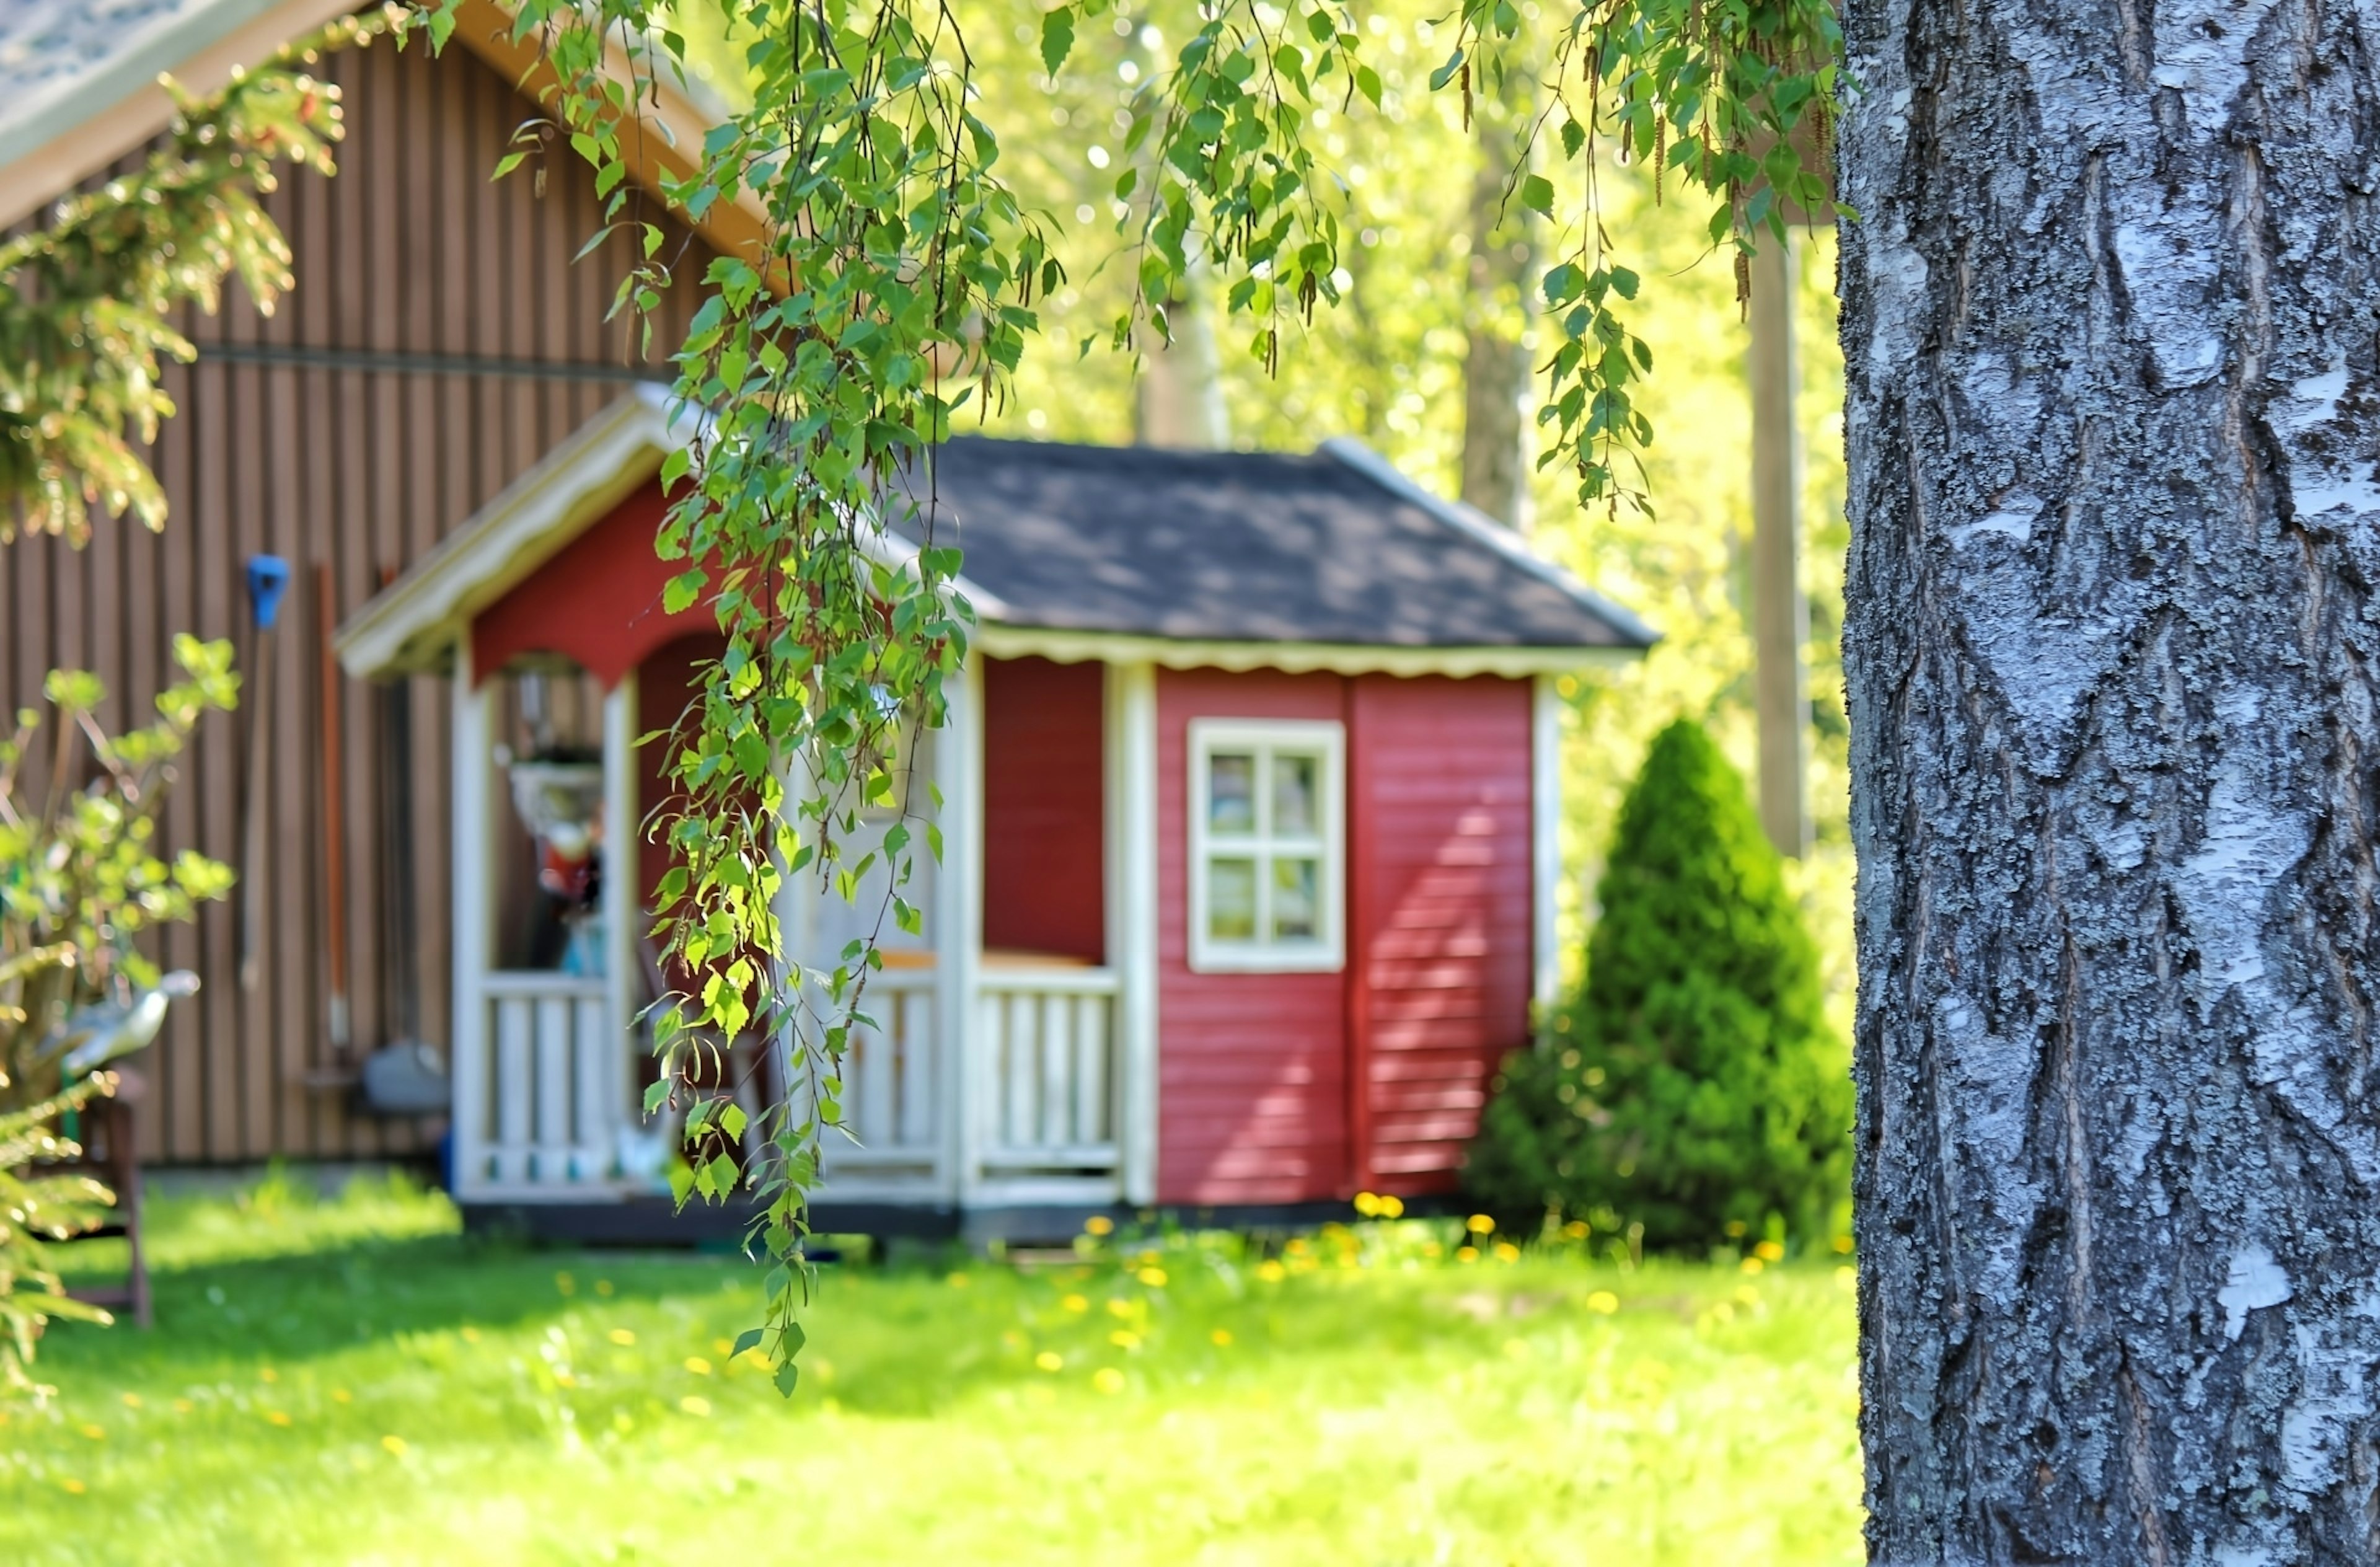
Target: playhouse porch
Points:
(1010, 1066)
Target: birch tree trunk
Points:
(2114, 631)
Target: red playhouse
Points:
(1248, 808)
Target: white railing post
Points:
(607, 1078)
(959, 939)
(1132, 902)
(467, 1044)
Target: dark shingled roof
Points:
(1333, 547)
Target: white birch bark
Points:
(2114, 621)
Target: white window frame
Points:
(1326, 951)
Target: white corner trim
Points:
(1545, 842)
(1133, 895)
(1003, 641)
(1325, 953)
(1480, 528)
(473, 856)
(407, 625)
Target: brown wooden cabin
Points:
(438, 343)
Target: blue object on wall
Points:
(268, 579)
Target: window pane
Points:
(1295, 896)
(1232, 900)
(1232, 792)
(1293, 805)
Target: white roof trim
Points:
(1478, 527)
(1296, 658)
(408, 625)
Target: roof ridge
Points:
(1477, 525)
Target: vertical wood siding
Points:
(1043, 796)
(1252, 1083)
(1439, 933)
(438, 342)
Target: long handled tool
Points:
(334, 812)
(268, 579)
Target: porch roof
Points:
(1327, 560)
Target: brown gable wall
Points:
(439, 340)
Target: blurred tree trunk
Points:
(2113, 638)
(1780, 610)
(1179, 398)
(1503, 264)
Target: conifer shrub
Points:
(1693, 1087)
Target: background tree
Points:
(1694, 1088)
(2113, 426)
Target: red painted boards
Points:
(1439, 914)
(1252, 1097)
(598, 602)
(1043, 807)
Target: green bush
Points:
(1694, 1086)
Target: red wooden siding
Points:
(665, 683)
(1252, 1081)
(597, 602)
(1438, 913)
(1044, 796)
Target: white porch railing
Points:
(891, 1087)
(549, 1116)
(1046, 1038)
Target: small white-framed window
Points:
(1268, 852)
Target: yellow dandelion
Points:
(1466, 1253)
(1479, 1224)
(1367, 1205)
(565, 1283)
(277, 1417)
(1769, 1251)
(268, 1375)
(621, 1336)
(96, 1433)
(1098, 1224)
(1125, 1338)
(183, 1406)
(698, 1365)
(1297, 1246)
(340, 1395)
(471, 1335)
(1603, 1303)
(131, 1401)
(1153, 1277)
(395, 1445)
(695, 1404)
(1272, 1272)
(73, 1488)
(1075, 1302)
(1119, 1306)
(722, 1348)
(1575, 1229)
(604, 1288)
(1391, 1206)
(958, 1280)
(1753, 1265)
(1843, 1245)
(1050, 1360)
(1108, 1379)
(1507, 1252)
(1222, 1337)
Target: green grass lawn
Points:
(352, 1381)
